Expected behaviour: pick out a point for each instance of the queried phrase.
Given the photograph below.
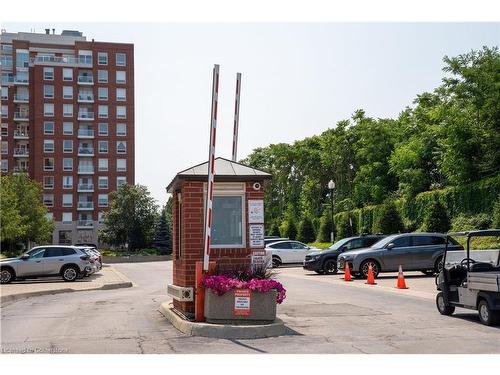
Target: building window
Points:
(103, 165)
(48, 91)
(48, 182)
(120, 76)
(48, 201)
(22, 58)
(67, 146)
(5, 147)
(5, 130)
(65, 237)
(5, 93)
(5, 111)
(67, 92)
(121, 147)
(103, 111)
(100, 217)
(4, 165)
(103, 128)
(67, 74)
(103, 200)
(120, 180)
(121, 95)
(103, 147)
(102, 58)
(67, 110)
(121, 112)
(67, 128)
(48, 128)
(67, 182)
(48, 74)
(102, 93)
(227, 229)
(49, 216)
(67, 164)
(48, 109)
(121, 129)
(102, 76)
(67, 217)
(103, 182)
(6, 61)
(121, 165)
(48, 145)
(67, 200)
(85, 57)
(48, 164)
(121, 59)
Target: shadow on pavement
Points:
(56, 279)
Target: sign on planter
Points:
(242, 299)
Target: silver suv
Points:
(69, 262)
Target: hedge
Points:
(472, 199)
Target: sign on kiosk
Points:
(255, 211)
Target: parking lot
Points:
(323, 314)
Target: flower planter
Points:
(221, 309)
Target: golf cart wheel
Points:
(330, 267)
(364, 268)
(276, 262)
(486, 315)
(442, 307)
(6, 275)
(438, 266)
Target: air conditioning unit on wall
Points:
(180, 293)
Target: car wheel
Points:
(486, 315)
(276, 262)
(330, 267)
(438, 266)
(442, 307)
(69, 273)
(6, 275)
(365, 265)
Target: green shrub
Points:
(325, 228)
(436, 218)
(389, 220)
(496, 214)
(288, 229)
(344, 226)
(467, 222)
(306, 231)
(275, 229)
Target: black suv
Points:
(325, 261)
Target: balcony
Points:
(21, 134)
(20, 169)
(86, 116)
(48, 202)
(85, 188)
(85, 224)
(85, 133)
(62, 61)
(85, 206)
(21, 152)
(85, 151)
(85, 98)
(21, 98)
(21, 116)
(85, 169)
(86, 80)
(21, 80)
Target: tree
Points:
(325, 229)
(436, 219)
(306, 231)
(24, 217)
(389, 220)
(131, 218)
(163, 236)
(496, 214)
(275, 229)
(288, 229)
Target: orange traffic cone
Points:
(347, 272)
(401, 279)
(370, 277)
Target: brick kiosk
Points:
(235, 185)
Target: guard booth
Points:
(237, 236)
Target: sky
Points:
(298, 80)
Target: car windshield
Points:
(384, 241)
(337, 245)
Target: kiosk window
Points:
(227, 216)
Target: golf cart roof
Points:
(477, 233)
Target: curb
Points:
(222, 331)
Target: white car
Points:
(288, 252)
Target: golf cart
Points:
(471, 279)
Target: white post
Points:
(211, 167)
(236, 116)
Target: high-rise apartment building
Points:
(67, 119)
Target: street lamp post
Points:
(331, 186)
